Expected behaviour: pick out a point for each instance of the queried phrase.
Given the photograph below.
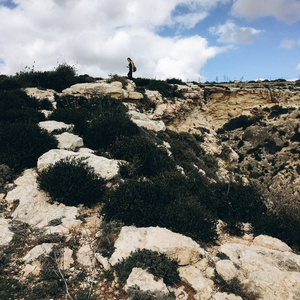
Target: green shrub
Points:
(22, 144)
(175, 81)
(16, 106)
(235, 203)
(280, 225)
(240, 122)
(62, 77)
(5, 176)
(169, 200)
(72, 182)
(45, 104)
(135, 293)
(148, 159)
(153, 262)
(167, 90)
(116, 77)
(8, 83)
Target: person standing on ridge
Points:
(131, 68)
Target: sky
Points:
(200, 40)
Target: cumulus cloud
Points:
(287, 43)
(298, 68)
(285, 10)
(231, 33)
(98, 36)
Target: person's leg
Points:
(129, 75)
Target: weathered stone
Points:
(51, 126)
(226, 296)
(271, 243)
(41, 94)
(142, 120)
(271, 274)
(37, 251)
(174, 245)
(6, 235)
(103, 261)
(34, 207)
(145, 281)
(104, 167)
(85, 256)
(197, 281)
(69, 141)
(226, 269)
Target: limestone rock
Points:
(51, 126)
(69, 141)
(195, 278)
(103, 261)
(104, 167)
(226, 269)
(41, 94)
(85, 256)
(37, 251)
(33, 207)
(271, 243)
(226, 296)
(142, 120)
(270, 273)
(174, 245)
(145, 281)
(6, 235)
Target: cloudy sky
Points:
(200, 40)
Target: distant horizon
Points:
(193, 40)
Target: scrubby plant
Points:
(116, 77)
(72, 182)
(169, 200)
(240, 122)
(153, 262)
(16, 106)
(22, 144)
(148, 159)
(8, 83)
(167, 90)
(135, 293)
(175, 81)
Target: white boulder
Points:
(6, 235)
(104, 167)
(145, 281)
(34, 208)
(51, 126)
(69, 141)
(174, 245)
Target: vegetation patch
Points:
(153, 262)
(72, 182)
(240, 122)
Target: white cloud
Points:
(231, 33)
(298, 68)
(98, 36)
(287, 43)
(285, 10)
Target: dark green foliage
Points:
(271, 146)
(72, 182)
(278, 110)
(296, 136)
(45, 104)
(16, 106)
(8, 83)
(222, 255)
(235, 203)
(234, 286)
(169, 200)
(5, 176)
(240, 122)
(280, 225)
(175, 81)
(12, 289)
(167, 90)
(153, 262)
(135, 293)
(22, 144)
(100, 121)
(148, 159)
(62, 77)
(109, 234)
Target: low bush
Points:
(153, 262)
(169, 200)
(167, 90)
(60, 78)
(148, 159)
(240, 122)
(135, 293)
(16, 106)
(22, 144)
(8, 83)
(72, 182)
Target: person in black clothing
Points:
(130, 66)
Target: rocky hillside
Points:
(114, 189)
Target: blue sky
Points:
(200, 40)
